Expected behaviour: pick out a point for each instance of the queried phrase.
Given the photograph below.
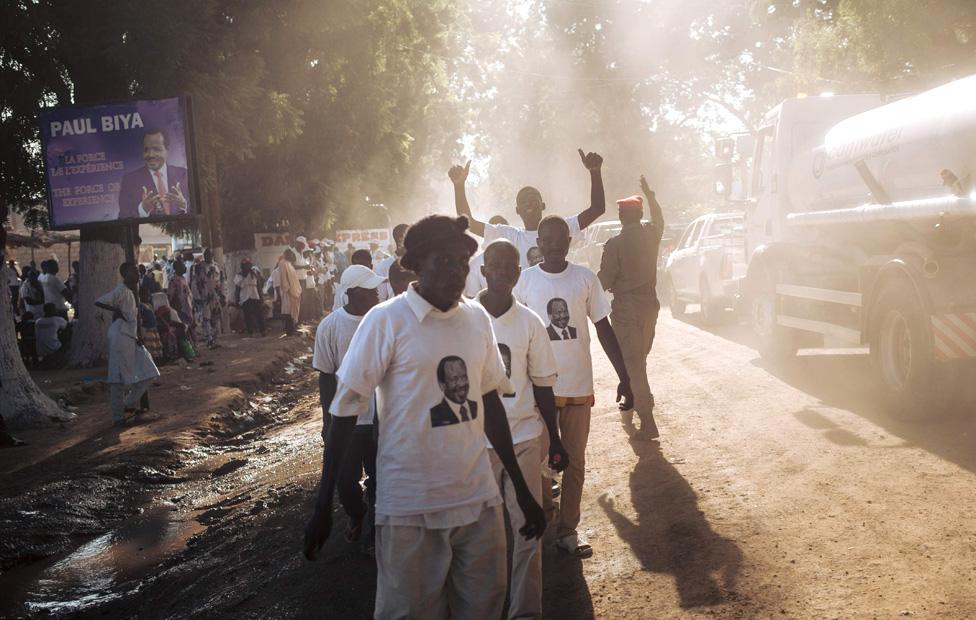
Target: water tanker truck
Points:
(860, 220)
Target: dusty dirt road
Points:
(771, 494)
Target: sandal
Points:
(571, 545)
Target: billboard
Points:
(119, 162)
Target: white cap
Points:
(360, 276)
(302, 239)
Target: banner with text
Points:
(118, 162)
(361, 238)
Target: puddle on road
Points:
(104, 569)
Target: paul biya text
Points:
(79, 126)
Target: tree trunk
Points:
(22, 403)
(99, 259)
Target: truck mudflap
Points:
(954, 335)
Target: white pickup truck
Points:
(707, 264)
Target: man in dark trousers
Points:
(157, 188)
(629, 271)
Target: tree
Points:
(23, 402)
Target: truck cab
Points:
(860, 230)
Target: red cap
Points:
(631, 202)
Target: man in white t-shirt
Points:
(568, 295)
(359, 257)
(530, 206)
(54, 288)
(332, 340)
(476, 279)
(440, 537)
(531, 366)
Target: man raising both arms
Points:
(440, 535)
(531, 366)
(529, 206)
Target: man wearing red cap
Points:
(629, 271)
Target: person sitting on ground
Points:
(530, 206)
(32, 293)
(51, 333)
(569, 295)
(28, 339)
(433, 357)
(130, 366)
(332, 340)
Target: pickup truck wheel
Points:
(776, 344)
(677, 306)
(915, 386)
(710, 312)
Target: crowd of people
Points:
(456, 375)
(470, 388)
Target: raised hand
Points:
(645, 187)
(459, 174)
(591, 161)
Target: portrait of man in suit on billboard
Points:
(455, 407)
(559, 327)
(157, 188)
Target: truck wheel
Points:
(915, 386)
(677, 306)
(710, 311)
(776, 344)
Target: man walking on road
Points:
(440, 535)
(529, 206)
(531, 366)
(628, 269)
(571, 294)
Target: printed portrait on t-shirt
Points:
(507, 360)
(455, 407)
(559, 327)
(534, 256)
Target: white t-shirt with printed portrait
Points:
(527, 241)
(565, 301)
(332, 338)
(529, 360)
(431, 460)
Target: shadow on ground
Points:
(671, 535)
